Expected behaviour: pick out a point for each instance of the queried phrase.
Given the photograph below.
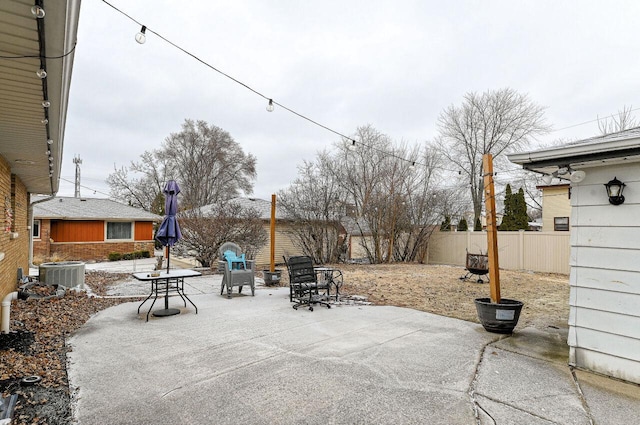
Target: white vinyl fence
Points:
(535, 251)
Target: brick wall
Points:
(86, 251)
(41, 247)
(14, 238)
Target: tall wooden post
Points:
(492, 228)
(272, 267)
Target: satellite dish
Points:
(577, 176)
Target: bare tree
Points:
(208, 163)
(613, 124)
(205, 229)
(492, 122)
(143, 187)
(313, 203)
(391, 187)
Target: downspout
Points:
(6, 310)
(30, 218)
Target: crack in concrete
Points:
(472, 388)
(472, 392)
(583, 400)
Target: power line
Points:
(589, 122)
(86, 187)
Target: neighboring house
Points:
(358, 234)
(556, 207)
(604, 317)
(89, 228)
(33, 110)
(284, 245)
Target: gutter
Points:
(580, 151)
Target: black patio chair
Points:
(304, 288)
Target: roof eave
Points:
(576, 155)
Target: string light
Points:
(37, 11)
(49, 142)
(41, 73)
(45, 121)
(46, 103)
(141, 38)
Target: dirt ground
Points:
(439, 289)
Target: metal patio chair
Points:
(304, 287)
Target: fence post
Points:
(521, 249)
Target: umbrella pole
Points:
(166, 296)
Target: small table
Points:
(333, 277)
(165, 282)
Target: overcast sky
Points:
(392, 64)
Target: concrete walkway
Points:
(255, 360)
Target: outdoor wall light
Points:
(546, 179)
(270, 106)
(614, 191)
(37, 11)
(141, 37)
(577, 176)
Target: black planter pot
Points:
(498, 317)
(272, 277)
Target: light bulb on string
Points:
(46, 103)
(45, 121)
(37, 11)
(141, 37)
(41, 73)
(50, 142)
(270, 106)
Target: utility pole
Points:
(77, 161)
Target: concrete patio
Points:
(255, 360)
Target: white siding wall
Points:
(604, 320)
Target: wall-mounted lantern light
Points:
(614, 191)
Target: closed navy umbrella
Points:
(169, 231)
(168, 234)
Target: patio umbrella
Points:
(169, 231)
(168, 234)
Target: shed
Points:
(604, 319)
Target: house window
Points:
(119, 230)
(36, 229)
(560, 224)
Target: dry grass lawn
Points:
(438, 289)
